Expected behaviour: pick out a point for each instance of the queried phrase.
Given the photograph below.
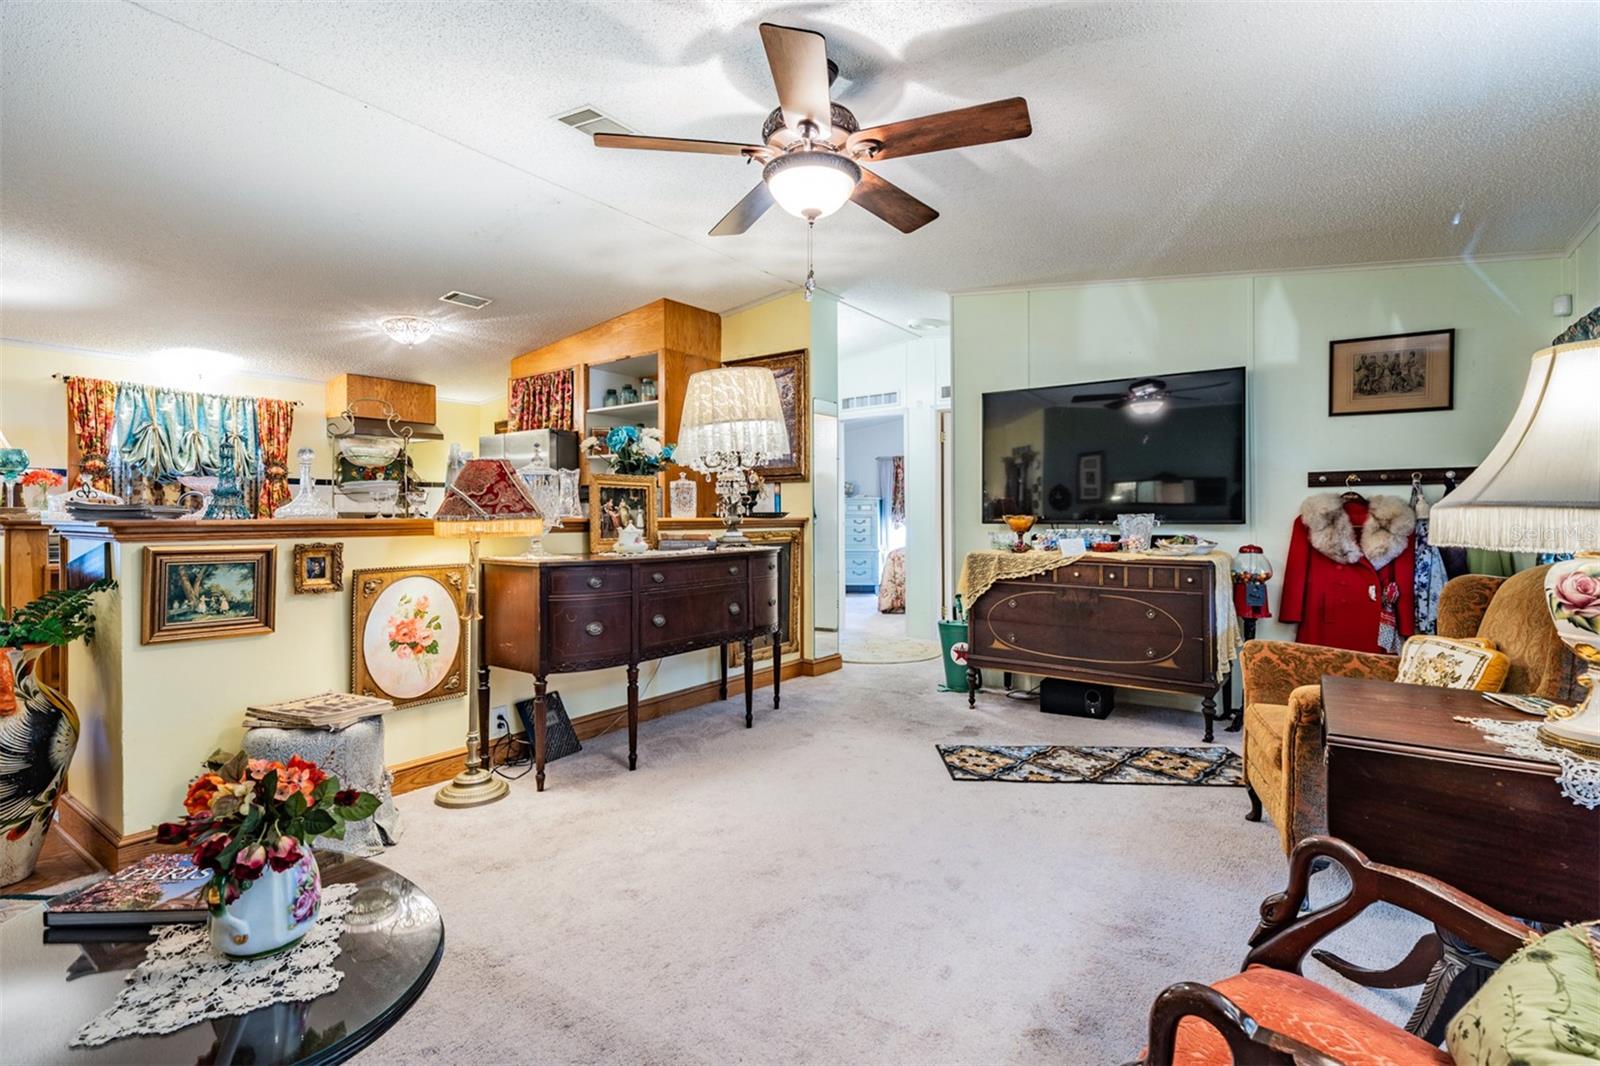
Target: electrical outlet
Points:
(499, 722)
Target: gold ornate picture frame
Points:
(208, 593)
(791, 369)
(318, 568)
(616, 500)
(408, 640)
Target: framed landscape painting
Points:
(1391, 374)
(794, 392)
(407, 643)
(205, 593)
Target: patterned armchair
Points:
(1283, 728)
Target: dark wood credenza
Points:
(1136, 624)
(565, 614)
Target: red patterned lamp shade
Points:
(487, 498)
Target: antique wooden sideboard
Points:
(1138, 624)
(568, 613)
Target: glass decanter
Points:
(546, 489)
(306, 503)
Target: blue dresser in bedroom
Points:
(863, 543)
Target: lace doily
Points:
(1579, 777)
(182, 981)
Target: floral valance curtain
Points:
(542, 401)
(91, 413)
(160, 435)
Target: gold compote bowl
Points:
(1020, 524)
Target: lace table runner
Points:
(1579, 777)
(182, 981)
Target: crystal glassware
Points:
(305, 504)
(228, 499)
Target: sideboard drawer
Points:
(591, 629)
(764, 601)
(600, 580)
(692, 616)
(717, 570)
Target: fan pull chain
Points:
(811, 271)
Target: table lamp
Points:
(732, 423)
(1539, 491)
(486, 499)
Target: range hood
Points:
(378, 427)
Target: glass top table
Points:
(388, 953)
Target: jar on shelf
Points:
(610, 399)
(630, 394)
(647, 388)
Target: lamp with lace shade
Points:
(1539, 491)
(732, 423)
(486, 499)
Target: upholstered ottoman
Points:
(355, 755)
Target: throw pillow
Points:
(1542, 1008)
(1441, 662)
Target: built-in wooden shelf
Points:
(644, 411)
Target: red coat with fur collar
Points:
(1342, 558)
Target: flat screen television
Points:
(1171, 445)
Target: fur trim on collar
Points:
(1386, 534)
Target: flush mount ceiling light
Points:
(407, 329)
(811, 185)
(927, 325)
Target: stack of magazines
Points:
(1537, 706)
(330, 711)
(156, 890)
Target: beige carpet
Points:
(817, 890)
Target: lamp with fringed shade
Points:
(486, 499)
(732, 423)
(1539, 491)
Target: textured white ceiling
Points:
(271, 179)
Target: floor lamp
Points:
(1539, 491)
(486, 499)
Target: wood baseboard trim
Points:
(825, 665)
(90, 834)
(428, 770)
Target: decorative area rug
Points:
(869, 649)
(1063, 764)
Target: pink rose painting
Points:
(411, 638)
(1575, 597)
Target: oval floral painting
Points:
(411, 637)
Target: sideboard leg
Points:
(1209, 706)
(777, 665)
(722, 686)
(749, 682)
(972, 687)
(540, 704)
(633, 716)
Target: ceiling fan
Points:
(812, 148)
(1147, 396)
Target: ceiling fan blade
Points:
(1002, 120)
(745, 212)
(799, 62)
(891, 203)
(1100, 397)
(674, 144)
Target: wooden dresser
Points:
(863, 544)
(1140, 624)
(565, 614)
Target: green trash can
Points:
(953, 635)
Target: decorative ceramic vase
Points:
(228, 499)
(1572, 589)
(38, 733)
(685, 496)
(271, 915)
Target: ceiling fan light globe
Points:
(811, 185)
(1147, 406)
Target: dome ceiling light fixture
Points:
(408, 329)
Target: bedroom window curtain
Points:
(541, 401)
(892, 487)
(274, 423)
(161, 434)
(91, 412)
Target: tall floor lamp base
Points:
(472, 788)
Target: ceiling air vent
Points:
(466, 299)
(588, 121)
(876, 399)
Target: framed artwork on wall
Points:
(206, 593)
(318, 567)
(616, 501)
(407, 641)
(1391, 374)
(794, 392)
(1091, 476)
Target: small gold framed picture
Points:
(318, 567)
(204, 593)
(616, 501)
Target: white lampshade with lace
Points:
(732, 423)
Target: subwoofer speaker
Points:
(1070, 697)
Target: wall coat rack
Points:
(1448, 476)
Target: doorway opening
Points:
(874, 526)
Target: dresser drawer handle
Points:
(1111, 575)
(1188, 581)
(733, 608)
(733, 569)
(1150, 614)
(1076, 574)
(772, 566)
(658, 620)
(772, 601)
(594, 629)
(1149, 653)
(1011, 603)
(658, 577)
(595, 582)
(1011, 638)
